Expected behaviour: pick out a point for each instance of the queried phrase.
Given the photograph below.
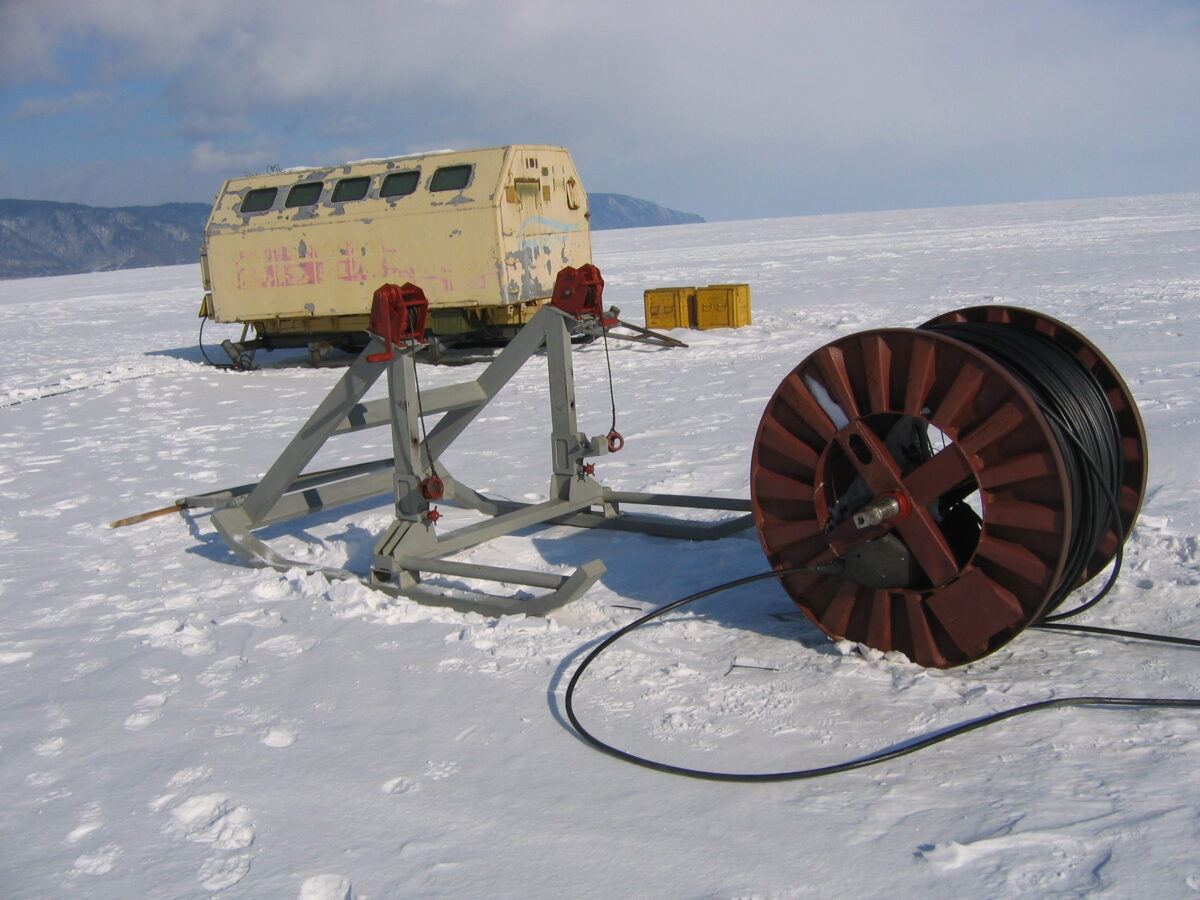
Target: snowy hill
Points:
(621, 211)
(38, 237)
(174, 723)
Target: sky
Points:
(745, 110)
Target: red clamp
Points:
(579, 293)
(397, 315)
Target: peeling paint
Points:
(550, 224)
(490, 252)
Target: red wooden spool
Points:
(986, 499)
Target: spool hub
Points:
(921, 436)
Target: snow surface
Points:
(174, 723)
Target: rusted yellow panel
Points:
(474, 229)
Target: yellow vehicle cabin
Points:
(296, 255)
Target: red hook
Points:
(615, 441)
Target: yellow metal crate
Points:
(723, 306)
(668, 308)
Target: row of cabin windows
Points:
(394, 184)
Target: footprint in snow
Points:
(90, 821)
(399, 785)
(278, 737)
(1055, 862)
(160, 676)
(85, 668)
(221, 671)
(50, 747)
(147, 711)
(99, 862)
(327, 887)
(286, 645)
(78, 834)
(192, 637)
(190, 775)
(216, 820)
(440, 770)
(219, 872)
(212, 819)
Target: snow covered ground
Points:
(174, 723)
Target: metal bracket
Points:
(411, 547)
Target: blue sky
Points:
(732, 110)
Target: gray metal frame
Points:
(411, 546)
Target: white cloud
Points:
(206, 157)
(27, 42)
(650, 91)
(44, 107)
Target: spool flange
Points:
(962, 445)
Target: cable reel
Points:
(951, 483)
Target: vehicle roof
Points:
(294, 174)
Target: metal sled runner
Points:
(411, 547)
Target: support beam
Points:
(413, 547)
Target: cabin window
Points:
(259, 200)
(450, 178)
(400, 184)
(305, 194)
(350, 189)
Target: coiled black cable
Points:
(1084, 427)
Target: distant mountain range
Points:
(38, 237)
(620, 211)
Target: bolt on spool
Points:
(924, 437)
(889, 506)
